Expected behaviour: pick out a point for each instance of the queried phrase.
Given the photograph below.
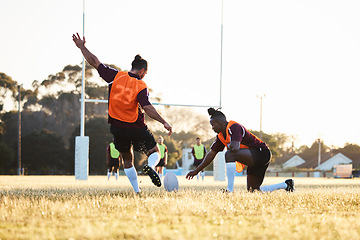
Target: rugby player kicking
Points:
(128, 93)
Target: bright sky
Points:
(303, 55)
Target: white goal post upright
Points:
(82, 141)
(219, 166)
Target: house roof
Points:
(293, 162)
(355, 157)
(312, 163)
(335, 160)
(281, 160)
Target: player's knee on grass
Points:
(254, 182)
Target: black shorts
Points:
(113, 163)
(197, 162)
(161, 163)
(262, 160)
(141, 139)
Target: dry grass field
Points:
(59, 207)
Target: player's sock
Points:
(132, 176)
(160, 175)
(273, 187)
(202, 175)
(230, 172)
(108, 175)
(153, 159)
(197, 176)
(116, 175)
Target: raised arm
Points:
(90, 58)
(151, 112)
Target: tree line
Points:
(50, 120)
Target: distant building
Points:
(293, 162)
(335, 160)
(328, 161)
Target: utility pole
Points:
(19, 130)
(319, 155)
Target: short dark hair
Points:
(139, 63)
(216, 114)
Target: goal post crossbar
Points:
(162, 104)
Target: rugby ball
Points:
(171, 182)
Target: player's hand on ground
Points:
(78, 41)
(168, 127)
(191, 174)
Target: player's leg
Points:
(122, 141)
(242, 155)
(202, 173)
(196, 164)
(129, 169)
(160, 171)
(254, 182)
(288, 185)
(153, 159)
(144, 141)
(108, 172)
(256, 173)
(153, 156)
(116, 168)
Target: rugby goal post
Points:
(82, 141)
(219, 166)
(81, 157)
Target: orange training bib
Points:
(123, 104)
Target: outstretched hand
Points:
(78, 41)
(191, 174)
(168, 127)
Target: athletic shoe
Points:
(224, 190)
(153, 175)
(290, 185)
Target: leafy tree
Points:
(10, 129)
(7, 91)
(97, 129)
(43, 152)
(8, 83)
(99, 134)
(313, 151)
(274, 141)
(7, 158)
(351, 148)
(184, 120)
